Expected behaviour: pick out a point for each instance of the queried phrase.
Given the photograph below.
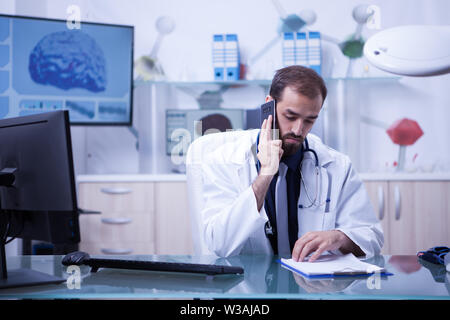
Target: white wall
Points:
(187, 52)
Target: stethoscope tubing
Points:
(268, 229)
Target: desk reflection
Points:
(263, 277)
(411, 278)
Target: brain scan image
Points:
(68, 59)
(46, 66)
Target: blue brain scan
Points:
(69, 59)
(46, 66)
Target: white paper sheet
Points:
(330, 264)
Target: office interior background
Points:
(363, 103)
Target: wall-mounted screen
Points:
(48, 64)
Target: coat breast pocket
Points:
(315, 218)
(310, 219)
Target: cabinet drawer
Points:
(98, 228)
(114, 248)
(116, 197)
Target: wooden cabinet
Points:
(378, 192)
(173, 225)
(152, 217)
(415, 215)
(136, 218)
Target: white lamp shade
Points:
(411, 50)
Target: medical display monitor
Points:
(48, 65)
(184, 126)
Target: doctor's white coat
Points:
(231, 223)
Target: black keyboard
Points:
(82, 258)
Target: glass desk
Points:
(263, 278)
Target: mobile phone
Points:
(267, 109)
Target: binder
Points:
(314, 51)
(288, 49)
(218, 52)
(226, 57)
(302, 48)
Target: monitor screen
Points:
(46, 66)
(37, 150)
(184, 126)
(37, 188)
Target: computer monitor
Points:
(184, 125)
(37, 187)
(47, 64)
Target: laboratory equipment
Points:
(404, 132)
(148, 67)
(352, 47)
(288, 23)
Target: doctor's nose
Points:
(297, 129)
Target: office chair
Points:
(194, 175)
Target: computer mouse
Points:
(75, 258)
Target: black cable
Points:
(8, 226)
(17, 234)
(2, 237)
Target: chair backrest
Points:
(194, 175)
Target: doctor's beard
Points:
(291, 143)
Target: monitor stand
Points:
(19, 277)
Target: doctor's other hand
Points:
(321, 241)
(269, 151)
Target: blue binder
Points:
(302, 48)
(225, 57)
(218, 52)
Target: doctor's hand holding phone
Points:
(269, 152)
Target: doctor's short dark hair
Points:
(303, 80)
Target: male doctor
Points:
(276, 196)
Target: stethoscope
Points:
(268, 229)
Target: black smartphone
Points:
(267, 109)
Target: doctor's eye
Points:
(290, 118)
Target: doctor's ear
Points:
(268, 98)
